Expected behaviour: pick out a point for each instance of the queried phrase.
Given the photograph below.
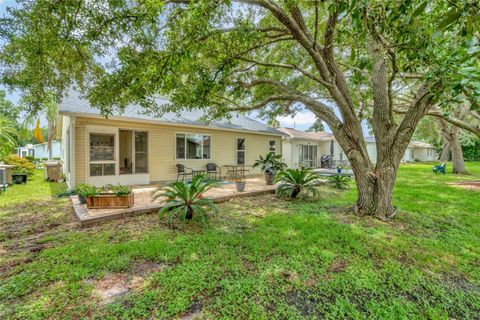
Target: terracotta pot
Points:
(269, 177)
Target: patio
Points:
(143, 203)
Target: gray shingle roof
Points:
(74, 104)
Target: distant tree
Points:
(317, 126)
(273, 122)
(8, 110)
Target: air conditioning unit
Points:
(3, 179)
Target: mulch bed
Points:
(472, 185)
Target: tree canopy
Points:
(390, 62)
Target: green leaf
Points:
(450, 18)
(420, 9)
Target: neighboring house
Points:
(307, 148)
(137, 148)
(420, 151)
(39, 151)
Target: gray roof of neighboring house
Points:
(76, 105)
(297, 134)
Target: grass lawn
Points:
(260, 258)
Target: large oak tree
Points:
(345, 61)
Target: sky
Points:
(301, 121)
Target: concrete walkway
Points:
(144, 204)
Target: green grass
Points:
(260, 258)
(37, 189)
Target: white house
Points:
(39, 151)
(307, 148)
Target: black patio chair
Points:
(182, 171)
(213, 169)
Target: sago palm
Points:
(8, 133)
(296, 181)
(185, 200)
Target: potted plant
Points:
(240, 183)
(270, 165)
(85, 190)
(339, 168)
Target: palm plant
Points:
(270, 165)
(8, 135)
(296, 181)
(339, 181)
(186, 201)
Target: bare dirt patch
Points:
(471, 185)
(116, 285)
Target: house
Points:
(420, 151)
(307, 148)
(137, 148)
(39, 151)
(416, 151)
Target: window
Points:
(193, 146)
(307, 155)
(241, 151)
(133, 152)
(272, 146)
(102, 154)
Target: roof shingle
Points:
(74, 104)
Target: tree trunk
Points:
(445, 155)
(375, 190)
(457, 153)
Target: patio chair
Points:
(440, 168)
(213, 169)
(182, 171)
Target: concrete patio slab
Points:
(144, 204)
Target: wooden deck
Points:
(144, 203)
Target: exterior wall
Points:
(41, 150)
(290, 148)
(372, 151)
(424, 154)
(162, 147)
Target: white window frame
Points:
(274, 146)
(115, 156)
(244, 151)
(185, 150)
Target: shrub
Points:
(121, 190)
(30, 158)
(339, 181)
(185, 201)
(296, 181)
(270, 163)
(86, 190)
(22, 165)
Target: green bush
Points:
(339, 181)
(86, 190)
(186, 201)
(21, 165)
(30, 158)
(296, 181)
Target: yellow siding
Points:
(162, 146)
(80, 154)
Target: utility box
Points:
(3, 179)
(53, 170)
(8, 172)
